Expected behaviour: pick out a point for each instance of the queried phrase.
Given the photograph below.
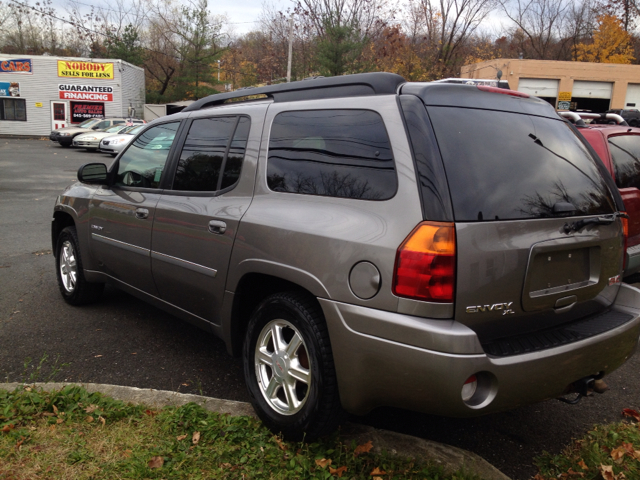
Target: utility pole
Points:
(218, 70)
(290, 47)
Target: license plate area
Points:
(557, 270)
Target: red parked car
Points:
(619, 148)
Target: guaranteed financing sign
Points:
(98, 71)
(86, 92)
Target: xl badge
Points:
(504, 307)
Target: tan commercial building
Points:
(566, 85)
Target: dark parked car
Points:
(363, 241)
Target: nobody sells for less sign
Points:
(97, 71)
(86, 92)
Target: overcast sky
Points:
(242, 14)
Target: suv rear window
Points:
(511, 166)
(625, 152)
(334, 153)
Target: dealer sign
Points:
(86, 92)
(98, 71)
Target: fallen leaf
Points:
(607, 472)
(363, 448)
(185, 384)
(181, 437)
(156, 462)
(627, 412)
(195, 438)
(636, 454)
(337, 471)
(102, 420)
(151, 413)
(91, 408)
(281, 444)
(378, 478)
(59, 421)
(127, 453)
(583, 465)
(618, 453)
(55, 409)
(97, 356)
(89, 419)
(225, 465)
(628, 447)
(6, 428)
(322, 463)
(574, 474)
(377, 471)
(20, 442)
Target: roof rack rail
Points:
(359, 84)
(577, 117)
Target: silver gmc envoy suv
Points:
(363, 241)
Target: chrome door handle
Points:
(218, 227)
(142, 213)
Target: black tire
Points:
(73, 286)
(320, 411)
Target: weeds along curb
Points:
(450, 458)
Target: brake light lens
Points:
(426, 263)
(503, 91)
(625, 235)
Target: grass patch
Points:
(71, 433)
(609, 452)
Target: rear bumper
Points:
(423, 364)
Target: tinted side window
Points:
(507, 166)
(203, 154)
(141, 165)
(233, 165)
(336, 153)
(625, 151)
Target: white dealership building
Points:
(41, 93)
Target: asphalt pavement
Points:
(123, 341)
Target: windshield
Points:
(509, 166)
(113, 129)
(88, 123)
(135, 130)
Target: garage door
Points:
(633, 96)
(582, 89)
(540, 87)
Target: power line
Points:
(64, 20)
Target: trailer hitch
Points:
(585, 386)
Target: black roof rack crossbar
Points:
(360, 84)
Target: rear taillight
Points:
(426, 263)
(503, 91)
(625, 234)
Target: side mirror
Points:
(93, 173)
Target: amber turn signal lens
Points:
(425, 263)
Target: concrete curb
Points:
(450, 458)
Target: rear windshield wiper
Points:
(601, 220)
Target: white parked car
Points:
(91, 141)
(114, 144)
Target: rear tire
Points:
(73, 286)
(289, 369)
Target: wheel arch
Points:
(59, 222)
(252, 288)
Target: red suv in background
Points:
(619, 148)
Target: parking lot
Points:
(123, 341)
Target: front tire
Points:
(73, 286)
(289, 370)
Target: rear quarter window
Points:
(503, 165)
(625, 153)
(335, 153)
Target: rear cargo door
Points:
(538, 243)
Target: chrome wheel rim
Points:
(283, 367)
(68, 266)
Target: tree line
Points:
(189, 50)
